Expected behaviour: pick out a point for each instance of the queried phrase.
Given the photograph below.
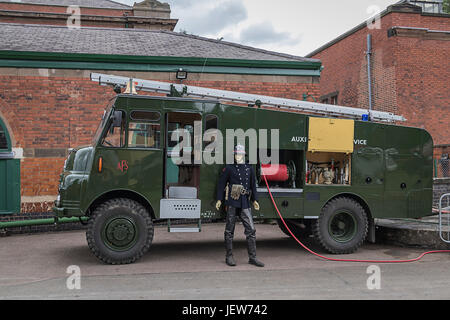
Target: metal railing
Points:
(435, 6)
(444, 222)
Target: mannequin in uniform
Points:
(241, 181)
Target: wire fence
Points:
(441, 168)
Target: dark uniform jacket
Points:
(242, 174)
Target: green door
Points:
(404, 182)
(368, 166)
(9, 175)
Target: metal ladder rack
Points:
(249, 99)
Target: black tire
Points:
(120, 231)
(298, 231)
(342, 226)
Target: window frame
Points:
(144, 120)
(330, 98)
(7, 140)
(7, 137)
(134, 120)
(107, 127)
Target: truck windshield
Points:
(105, 117)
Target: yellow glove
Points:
(218, 204)
(256, 205)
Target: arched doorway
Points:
(9, 174)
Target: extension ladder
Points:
(249, 99)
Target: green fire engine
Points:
(335, 173)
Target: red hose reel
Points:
(275, 172)
(278, 172)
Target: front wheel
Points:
(342, 226)
(120, 231)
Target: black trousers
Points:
(249, 229)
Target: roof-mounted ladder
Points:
(250, 99)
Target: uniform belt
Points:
(245, 191)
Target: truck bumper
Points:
(59, 212)
(62, 212)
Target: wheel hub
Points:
(342, 227)
(120, 233)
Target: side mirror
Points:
(117, 119)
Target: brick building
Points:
(410, 67)
(49, 104)
(149, 14)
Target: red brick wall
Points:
(60, 113)
(345, 67)
(410, 75)
(423, 77)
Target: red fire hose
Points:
(344, 260)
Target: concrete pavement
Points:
(191, 266)
(423, 233)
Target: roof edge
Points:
(161, 60)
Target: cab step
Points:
(184, 229)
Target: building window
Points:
(3, 140)
(331, 98)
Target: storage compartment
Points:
(331, 135)
(286, 174)
(330, 148)
(328, 168)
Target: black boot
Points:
(229, 259)
(251, 243)
(255, 262)
(229, 234)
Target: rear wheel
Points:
(119, 231)
(342, 226)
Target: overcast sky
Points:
(290, 26)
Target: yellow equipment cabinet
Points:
(331, 135)
(330, 146)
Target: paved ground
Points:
(191, 266)
(422, 232)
